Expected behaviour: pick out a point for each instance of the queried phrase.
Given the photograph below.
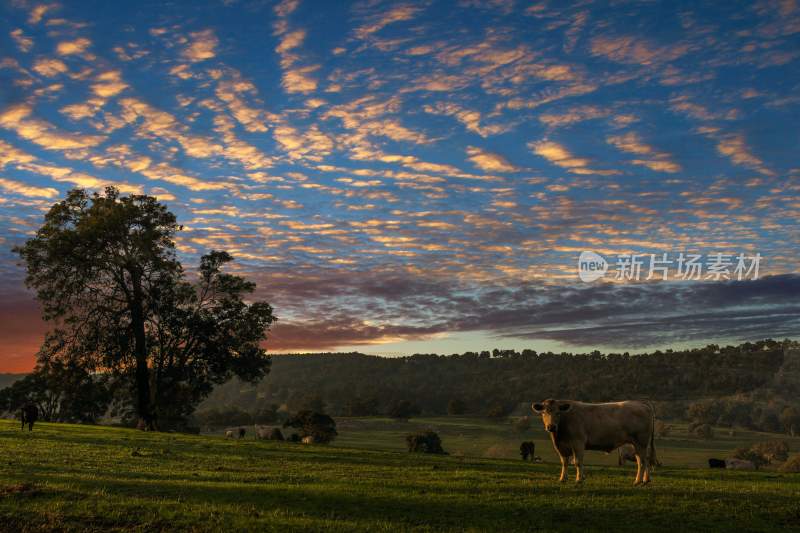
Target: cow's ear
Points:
(537, 407)
(564, 407)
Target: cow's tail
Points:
(651, 444)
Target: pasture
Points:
(70, 477)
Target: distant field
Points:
(479, 437)
(69, 477)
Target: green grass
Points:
(69, 477)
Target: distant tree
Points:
(361, 406)
(773, 450)
(313, 402)
(403, 410)
(748, 454)
(266, 415)
(311, 424)
(63, 392)
(456, 407)
(424, 442)
(106, 274)
(704, 431)
(790, 420)
(497, 410)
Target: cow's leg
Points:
(564, 460)
(23, 424)
(578, 457)
(642, 475)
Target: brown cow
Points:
(576, 426)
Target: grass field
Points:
(69, 477)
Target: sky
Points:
(422, 176)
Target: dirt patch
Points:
(20, 489)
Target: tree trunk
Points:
(144, 406)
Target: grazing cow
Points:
(526, 449)
(29, 414)
(229, 434)
(308, 440)
(577, 426)
(716, 463)
(739, 464)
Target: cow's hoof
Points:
(637, 482)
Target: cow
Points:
(29, 414)
(575, 427)
(527, 449)
(242, 433)
(739, 464)
(229, 434)
(308, 440)
(716, 463)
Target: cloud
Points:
(734, 146)
(23, 42)
(656, 161)
(202, 46)
(23, 189)
(77, 46)
(49, 67)
(636, 50)
(489, 161)
(471, 119)
(299, 79)
(381, 20)
(558, 155)
(109, 84)
(573, 116)
(46, 135)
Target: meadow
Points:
(97, 478)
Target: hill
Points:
(359, 385)
(92, 478)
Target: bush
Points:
(791, 466)
(312, 424)
(773, 450)
(424, 442)
(748, 454)
(497, 411)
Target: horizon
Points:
(428, 177)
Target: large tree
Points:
(105, 271)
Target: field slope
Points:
(69, 477)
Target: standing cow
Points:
(527, 449)
(29, 414)
(575, 427)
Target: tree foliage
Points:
(319, 426)
(105, 271)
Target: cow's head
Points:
(551, 411)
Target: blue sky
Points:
(421, 176)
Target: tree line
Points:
(754, 384)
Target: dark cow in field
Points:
(575, 427)
(527, 449)
(716, 463)
(29, 414)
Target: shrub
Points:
(773, 450)
(312, 424)
(792, 465)
(497, 411)
(748, 454)
(424, 442)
